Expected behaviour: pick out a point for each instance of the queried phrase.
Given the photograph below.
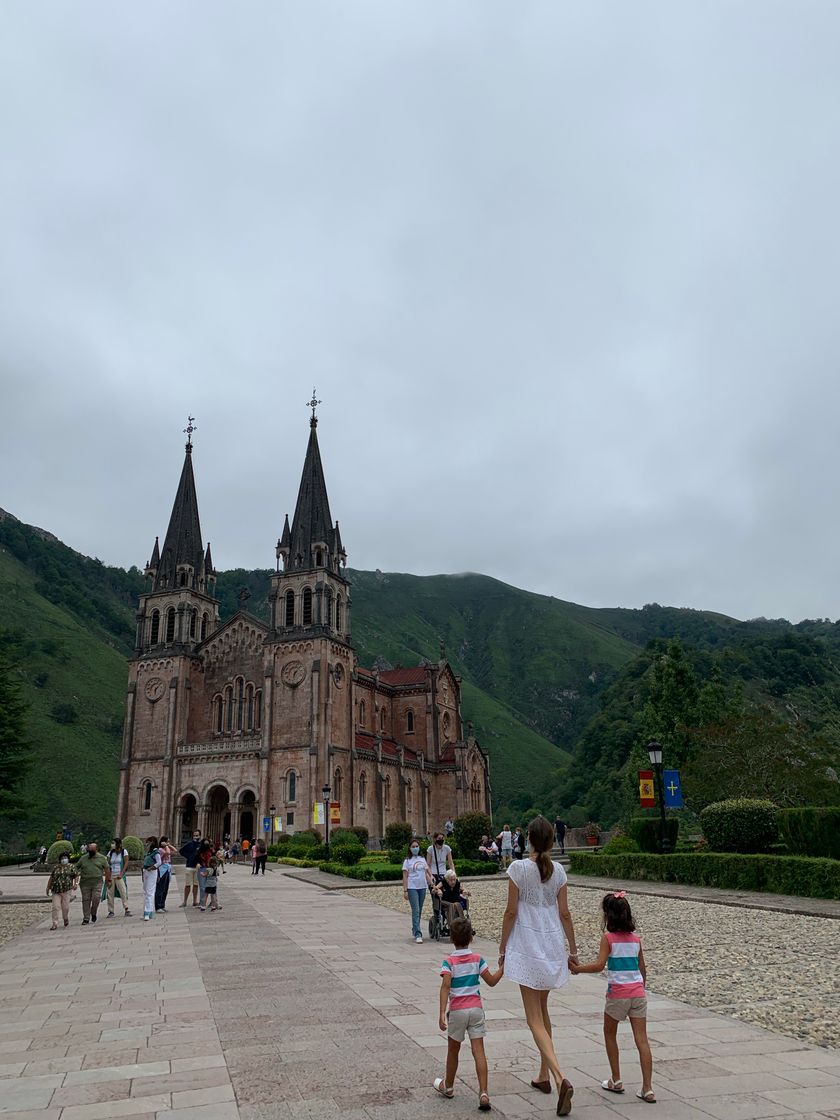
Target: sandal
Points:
(543, 1086)
(484, 1102)
(649, 1097)
(564, 1099)
(441, 1088)
(612, 1086)
(53, 926)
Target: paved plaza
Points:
(295, 1003)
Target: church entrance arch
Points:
(218, 813)
(187, 817)
(248, 816)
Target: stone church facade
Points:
(225, 720)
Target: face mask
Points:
(414, 851)
(65, 860)
(439, 843)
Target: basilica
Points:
(250, 728)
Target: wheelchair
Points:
(440, 917)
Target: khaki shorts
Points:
(619, 1009)
(190, 876)
(466, 1021)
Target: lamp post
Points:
(272, 810)
(655, 756)
(326, 793)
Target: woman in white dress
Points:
(538, 939)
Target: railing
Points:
(219, 746)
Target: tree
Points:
(14, 748)
(671, 707)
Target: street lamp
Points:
(326, 792)
(272, 810)
(655, 756)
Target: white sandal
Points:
(649, 1097)
(440, 1087)
(613, 1086)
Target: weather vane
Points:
(313, 404)
(190, 428)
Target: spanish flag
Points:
(647, 798)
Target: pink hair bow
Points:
(619, 894)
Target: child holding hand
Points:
(621, 954)
(460, 990)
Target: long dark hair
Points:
(618, 917)
(541, 838)
(151, 842)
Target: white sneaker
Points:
(419, 940)
(146, 918)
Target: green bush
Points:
(134, 846)
(794, 875)
(278, 848)
(9, 861)
(58, 849)
(397, 836)
(469, 828)
(360, 832)
(740, 825)
(645, 831)
(476, 867)
(295, 862)
(619, 845)
(811, 831)
(347, 850)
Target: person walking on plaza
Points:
(205, 854)
(560, 832)
(260, 857)
(92, 867)
(190, 853)
(461, 1009)
(246, 848)
(151, 863)
(61, 884)
(439, 857)
(533, 948)
(416, 877)
(165, 874)
(211, 885)
(505, 839)
(621, 954)
(234, 851)
(118, 862)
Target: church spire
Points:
(313, 537)
(183, 553)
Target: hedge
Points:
(645, 831)
(741, 824)
(794, 875)
(8, 861)
(295, 862)
(811, 831)
(134, 846)
(58, 849)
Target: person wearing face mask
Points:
(416, 878)
(439, 857)
(62, 883)
(92, 867)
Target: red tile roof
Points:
(366, 740)
(418, 675)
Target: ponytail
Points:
(545, 865)
(541, 837)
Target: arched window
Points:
(362, 790)
(386, 791)
(183, 579)
(409, 802)
(154, 636)
(409, 721)
(258, 711)
(381, 719)
(147, 797)
(338, 783)
(204, 622)
(361, 713)
(220, 708)
(319, 558)
(228, 709)
(170, 625)
(290, 608)
(249, 703)
(446, 726)
(291, 786)
(307, 606)
(192, 623)
(240, 703)
(338, 612)
(475, 793)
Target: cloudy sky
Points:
(565, 277)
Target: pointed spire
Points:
(312, 523)
(208, 561)
(182, 543)
(286, 539)
(155, 560)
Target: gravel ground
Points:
(14, 919)
(778, 971)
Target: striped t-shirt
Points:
(465, 967)
(624, 980)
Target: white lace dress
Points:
(536, 954)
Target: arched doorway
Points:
(248, 816)
(187, 817)
(218, 813)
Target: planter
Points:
(592, 841)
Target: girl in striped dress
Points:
(621, 954)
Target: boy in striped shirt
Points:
(461, 973)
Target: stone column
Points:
(235, 809)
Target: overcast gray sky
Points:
(565, 277)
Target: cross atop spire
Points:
(313, 404)
(190, 428)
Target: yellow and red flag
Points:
(647, 798)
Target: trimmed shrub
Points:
(278, 848)
(620, 845)
(740, 825)
(812, 831)
(361, 832)
(469, 828)
(347, 850)
(466, 867)
(58, 849)
(9, 861)
(134, 846)
(645, 831)
(794, 875)
(295, 862)
(397, 836)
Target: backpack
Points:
(149, 860)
